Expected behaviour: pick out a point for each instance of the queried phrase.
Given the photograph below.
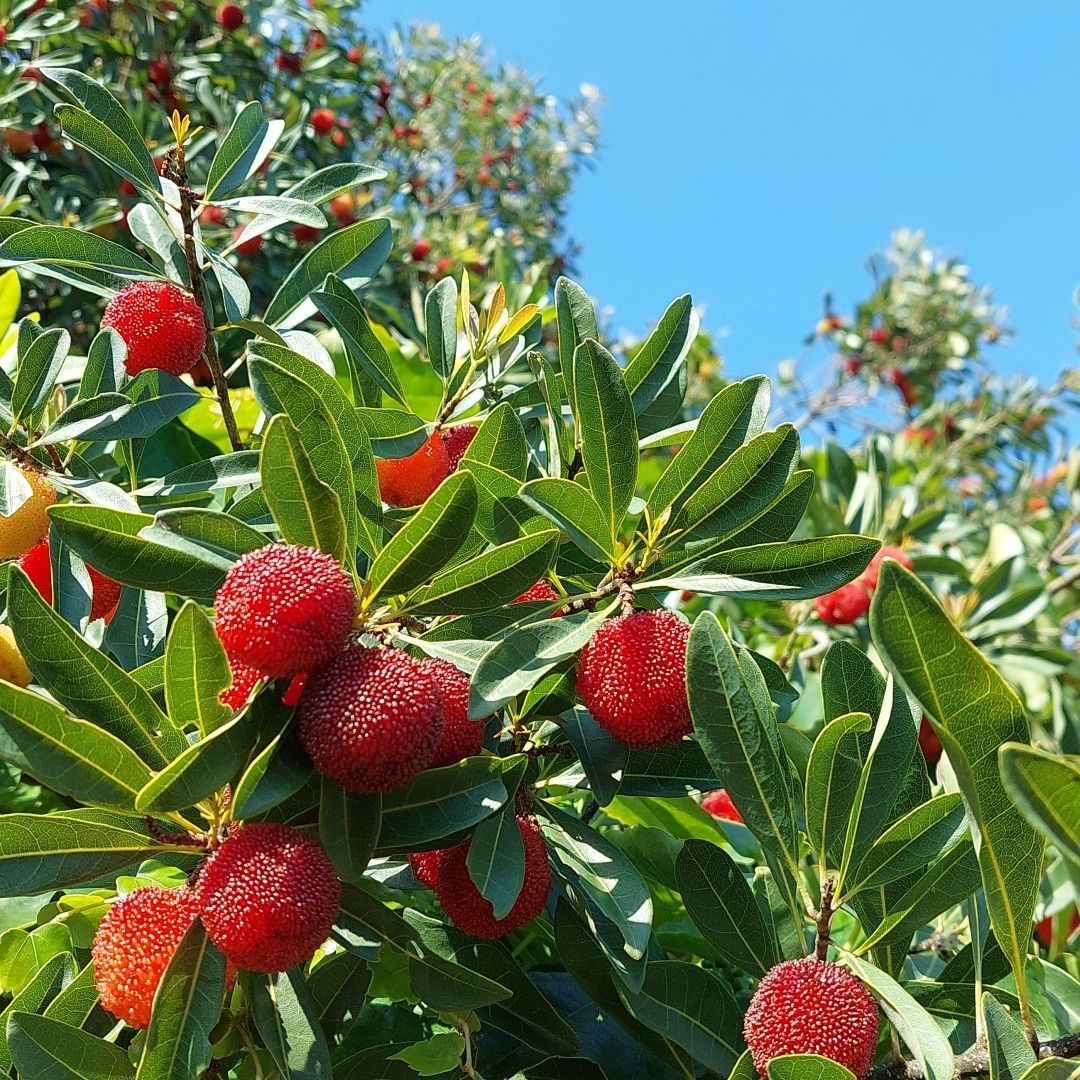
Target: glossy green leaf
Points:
(196, 672)
(275, 773)
(830, 790)
(656, 374)
(496, 860)
(602, 756)
(576, 320)
(348, 828)
(39, 365)
(576, 512)
(1046, 789)
(52, 246)
(807, 1067)
(48, 1049)
(1007, 1045)
(44, 984)
(440, 317)
(287, 1021)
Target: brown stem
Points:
(824, 919)
(176, 171)
(20, 453)
(975, 1062)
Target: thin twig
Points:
(975, 1062)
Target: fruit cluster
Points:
(852, 601)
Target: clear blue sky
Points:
(755, 153)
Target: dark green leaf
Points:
(496, 860)
(440, 316)
(1046, 789)
(348, 828)
(39, 364)
(47, 1049)
(196, 672)
(286, 1019)
(575, 510)
(656, 376)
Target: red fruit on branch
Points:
(425, 866)
(457, 441)
(632, 678)
(288, 63)
(929, 743)
(323, 121)
(542, 590)
(869, 576)
(844, 605)
(230, 17)
(461, 737)
(408, 481)
(420, 250)
(161, 324)
(249, 248)
(104, 592)
(878, 335)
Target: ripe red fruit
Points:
(285, 609)
(249, 248)
(420, 250)
(133, 946)
(461, 737)
(323, 120)
(878, 335)
(31, 73)
(719, 804)
(929, 743)
(903, 384)
(632, 678)
(425, 866)
(230, 17)
(371, 719)
(211, 215)
(443, 267)
(3, 35)
(467, 908)
(306, 234)
(338, 138)
(161, 324)
(104, 592)
(853, 365)
(844, 605)
(244, 680)
(869, 576)
(1044, 928)
(288, 62)
(408, 481)
(355, 55)
(457, 441)
(809, 1006)
(43, 137)
(542, 590)
(269, 897)
(159, 72)
(19, 142)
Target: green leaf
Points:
(85, 680)
(306, 510)
(575, 510)
(287, 1021)
(489, 580)
(602, 756)
(719, 901)
(496, 860)
(576, 321)
(44, 984)
(47, 1049)
(807, 1067)
(14, 488)
(607, 432)
(427, 541)
(1046, 789)
(1051, 1069)
(734, 722)
(780, 519)
(348, 828)
(39, 364)
(245, 147)
(276, 773)
(157, 397)
(973, 711)
(355, 253)
(186, 1009)
(277, 207)
(912, 842)
(518, 662)
(913, 1024)
(1009, 1050)
(196, 672)
(61, 246)
(437, 1054)
(70, 756)
(693, 1008)
(440, 317)
(85, 418)
(656, 375)
(338, 985)
(74, 1004)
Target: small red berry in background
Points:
(408, 481)
(19, 143)
(929, 743)
(211, 215)
(1044, 929)
(844, 605)
(159, 72)
(719, 804)
(161, 324)
(878, 335)
(852, 365)
(632, 677)
(306, 234)
(249, 248)
(323, 120)
(420, 250)
(355, 55)
(230, 17)
(104, 592)
(337, 137)
(869, 576)
(443, 267)
(289, 63)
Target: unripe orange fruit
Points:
(13, 667)
(23, 529)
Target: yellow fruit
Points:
(20, 532)
(13, 667)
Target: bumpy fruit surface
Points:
(244, 680)
(133, 946)
(285, 609)
(542, 590)
(632, 678)
(425, 866)
(809, 1006)
(13, 667)
(230, 17)
(870, 574)
(408, 481)
(719, 804)
(161, 325)
(461, 737)
(269, 897)
(844, 605)
(23, 529)
(370, 719)
(37, 565)
(457, 441)
(466, 907)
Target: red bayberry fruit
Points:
(244, 680)
(230, 17)
(211, 215)
(285, 609)
(425, 866)
(870, 574)
(853, 365)
(323, 120)
(104, 592)
(408, 481)
(43, 138)
(420, 250)
(719, 804)
(929, 743)
(159, 72)
(370, 719)
(1044, 928)
(457, 441)
(133, 946)
(338, 138)
(461, 737)
(878, 335)
(269, 896)
(632, 678)
(161, 324)
(288, 63)
(809, 1006)
(306, 234)
(843, 605)
(249, 248)
(542, 590)
(355, 55)
(467, 908)
(903, 384)
(31, 73)
(443, 267)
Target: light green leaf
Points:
(47, 1049)
(807, 1067)
(1046, 789)
(196, 672)
(286, 1019)
(1009, 1050)
(440, 317)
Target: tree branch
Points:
(975, 1062)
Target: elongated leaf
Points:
(45, 982)
(278, 207)
(196, 672)
(428, 540)
(245, 147)
(575, 510)
(47, 1049)
(186, 1008)
(1046, 789)
(719, 901)
(85, 680)
(276, 773)
(307, 510)
(338, 986)
(85, 418)
(286, 1018)
(496, 860)
(602, 756)
(973, 711)
(1008, 1048)
(830, 790)
(576, 321)
(780, 519)
(39, 365)
(807, 1067)
(656, 375)
(488, 580)
(607, 432)
(348, 828)
(355, 253)
(57, 245)
(440, 316)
